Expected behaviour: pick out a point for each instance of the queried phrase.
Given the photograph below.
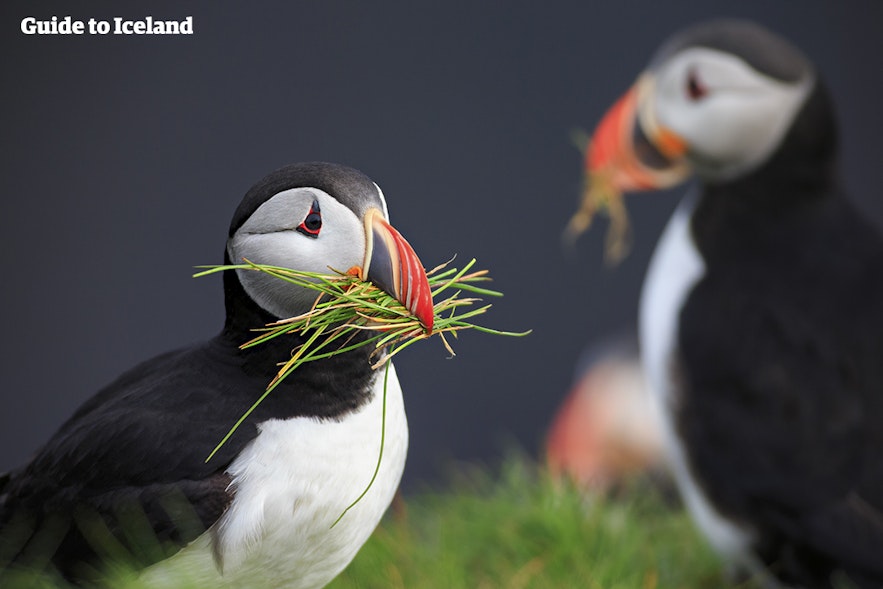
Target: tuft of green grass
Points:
(345, 304)
(521, 529)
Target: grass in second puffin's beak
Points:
(600, 194)
(346, 304)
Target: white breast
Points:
(291, 484)
(675, 269)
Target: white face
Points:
(731, 116)
(271, 236)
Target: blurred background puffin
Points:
(761, 316)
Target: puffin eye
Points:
(696, 90)
(311, 225)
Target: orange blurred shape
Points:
(607, 428)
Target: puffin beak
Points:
(630, 150)
(392, 265)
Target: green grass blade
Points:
(379, 454)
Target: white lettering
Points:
(68, 26)
(65, 26)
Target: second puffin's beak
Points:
(393, 266)
(630, 150)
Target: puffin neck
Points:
(326, 388)
(242, 314)
(799, 179)
(803, 168)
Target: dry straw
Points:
(600, 195)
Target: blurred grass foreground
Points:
(521, 529)
(518, 528)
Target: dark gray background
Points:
(124, 158)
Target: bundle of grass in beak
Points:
(602, 189)
(600, 194)
(346, 304)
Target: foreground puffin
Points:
(762, 310)
(129, 468)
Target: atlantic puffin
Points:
(127, 473)
(761, 315)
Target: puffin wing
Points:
(126, 476)
(805, 395)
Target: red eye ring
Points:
(312, 223)
(696, 90)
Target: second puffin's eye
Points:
(312, 223)
(696, 90)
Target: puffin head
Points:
(317, 217)
(719, 99)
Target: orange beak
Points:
(631, 150)
(392, 265)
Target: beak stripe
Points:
(393, 266)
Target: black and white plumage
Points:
(135, 453)
(762, 310)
